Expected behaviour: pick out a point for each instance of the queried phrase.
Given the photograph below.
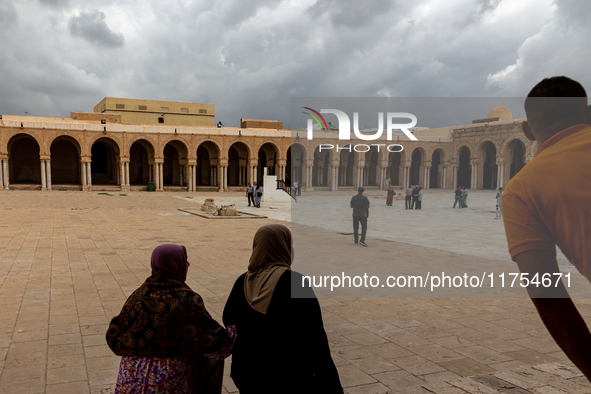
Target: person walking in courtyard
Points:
(464, 197)
(390, 196)
(282, 346)
(250, 194)
(258, 194)
(415, 197)
(499, 197)
(168, 341)
(360, 205)
(458, 198)
(538, 219)
(408, 198)
(420, 199)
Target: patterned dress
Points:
(168, 341)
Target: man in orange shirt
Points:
(539, 215)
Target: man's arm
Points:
(557, 310)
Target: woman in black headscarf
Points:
(282, 346)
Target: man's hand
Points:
(559, 314)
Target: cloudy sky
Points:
(250, 57)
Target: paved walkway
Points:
(68, 260)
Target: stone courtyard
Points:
(68, 260)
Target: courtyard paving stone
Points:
(68, 260)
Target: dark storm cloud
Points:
(8, 13)
(350, 13)
(250, 57)
(55, 3)
(92, 27)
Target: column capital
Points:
(500, 160)
(44, 157)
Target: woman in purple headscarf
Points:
(167, 339)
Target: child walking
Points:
(499, 210)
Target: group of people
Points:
(461, 197)
(169, 343)
(413, 198)
(254, 194)
(296, 185)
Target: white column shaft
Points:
(43, 176)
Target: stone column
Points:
(6, 174)
(158, 175)
(127, 181)
(499, 163)
(1, 173)
(121, 174)
(455, 182)
(427, 176)
(89, 174)
(43, 176)
(474, 182)
(48, 169)
(405, 176)
(83, 173)
(444, 179)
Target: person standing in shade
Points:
(415, 197)
(360, 205)
(250, 194)
(464, 197)
(499, 213)
(295, 187)
(299, 188)
(408, 198)
(419, 198)
(258, 194)
(390, 196)
(458, 198)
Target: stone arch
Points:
(7, 138)
(298, 156)
(174, 171)
(417, 165)
(179, 143)
(275, 146)
(436, 171)
(208, 156)
(268, 154)
(371, 177)
(464, 166)
(487, 154)
(149, 143)
(238, 157)
(73, 138)
(113, 141)
(395, 168)
(65, 160)
(321, 168)
(347, 166)
(105, 153)
(141, 155)
(515, 157)
(24, 162)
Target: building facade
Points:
(87, 152)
